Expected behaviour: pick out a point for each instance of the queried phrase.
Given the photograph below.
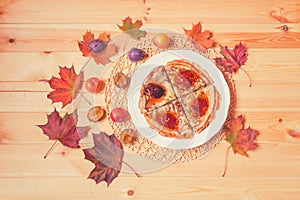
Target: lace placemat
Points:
(117, 97)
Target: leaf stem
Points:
(51, 148)
(137, 174)
(250, 80)
(85, 98)
(85, 64)
(226, 161)
(126, 42)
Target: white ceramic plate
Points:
(161, 59)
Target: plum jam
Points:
(154, 90)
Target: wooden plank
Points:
(35, 66)
(229, 12)
(214, 27)
(21, 79)
(269, 160)
(44, 35)
(36, 38)
(32, 11)
(24, 86)
(271, 128)
(262, 96)
(267, 96)
(151, 187)
(234, 11)
(178, 27)
(261, 40)
(263, 64)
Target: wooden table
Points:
(37, 36)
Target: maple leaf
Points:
(107, 155)
(133, 29)
(104, 56)
(64, 129)
(100, 49)
(240, 139)
(204, 39)
(84, 45)
(232, 59)
(67, 87)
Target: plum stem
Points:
(226, 161)
(51, 148)
(137, 174)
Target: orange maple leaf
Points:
(67, 87)
(204, 39)
(83, 45)
(100, 48)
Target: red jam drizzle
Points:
(200, 105)
(169, 120)
(188, 77)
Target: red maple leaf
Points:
(67, 87)
(202, 38)
(133, 29)
(240, 139)
(64, 129)
(107, 155)
(232, 59)
(101, 49)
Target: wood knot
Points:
(11, 40)
(285, 28)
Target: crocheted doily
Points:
(117, 97)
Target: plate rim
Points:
(154, 136)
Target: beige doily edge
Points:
(116, 97)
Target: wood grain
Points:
(227, 11)
(148, 188)
(271, 128)
(273, 96)
(70, 162)
(33, 66)
(62, 11)
(38, 36)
